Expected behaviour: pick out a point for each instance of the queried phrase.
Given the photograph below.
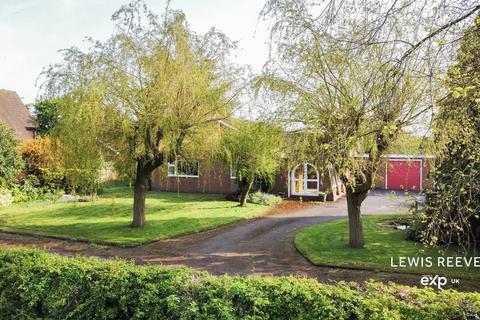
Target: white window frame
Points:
(175, 174)
(232, 176)
(305, 181)
(171, 165)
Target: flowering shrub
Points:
(6, 198)
(44, 162)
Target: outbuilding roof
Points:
(402, 156)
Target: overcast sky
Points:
(32, 32)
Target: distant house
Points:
(15, 115)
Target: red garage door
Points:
(404, 174)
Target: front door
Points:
(305, 180)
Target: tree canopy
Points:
(350, 76)
(407, 143)
(46, 113)
(143, 95)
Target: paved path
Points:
(262, 246)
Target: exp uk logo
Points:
(436, 281)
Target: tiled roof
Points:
(15, 115)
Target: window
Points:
(183, 169)
(171, 169)
(233, 172)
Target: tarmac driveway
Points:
(262, 246)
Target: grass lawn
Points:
(327, 244)
(108, 219)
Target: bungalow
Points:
(396, 172)
(302, 181)
(15, 115)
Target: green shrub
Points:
(10, 161)
(34, 284)
(263, 198)
(30, 190)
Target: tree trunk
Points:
(244, 193)
(354, 203)
(362, 184)
(140, 191)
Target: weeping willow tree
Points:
(348, 76)
(253, 149)
(350, 126)
(141, 97)
(453, 209)
(76, 140)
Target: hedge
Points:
(35, 284)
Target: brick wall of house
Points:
(380, 174)
(280, 186)
(212, 179)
